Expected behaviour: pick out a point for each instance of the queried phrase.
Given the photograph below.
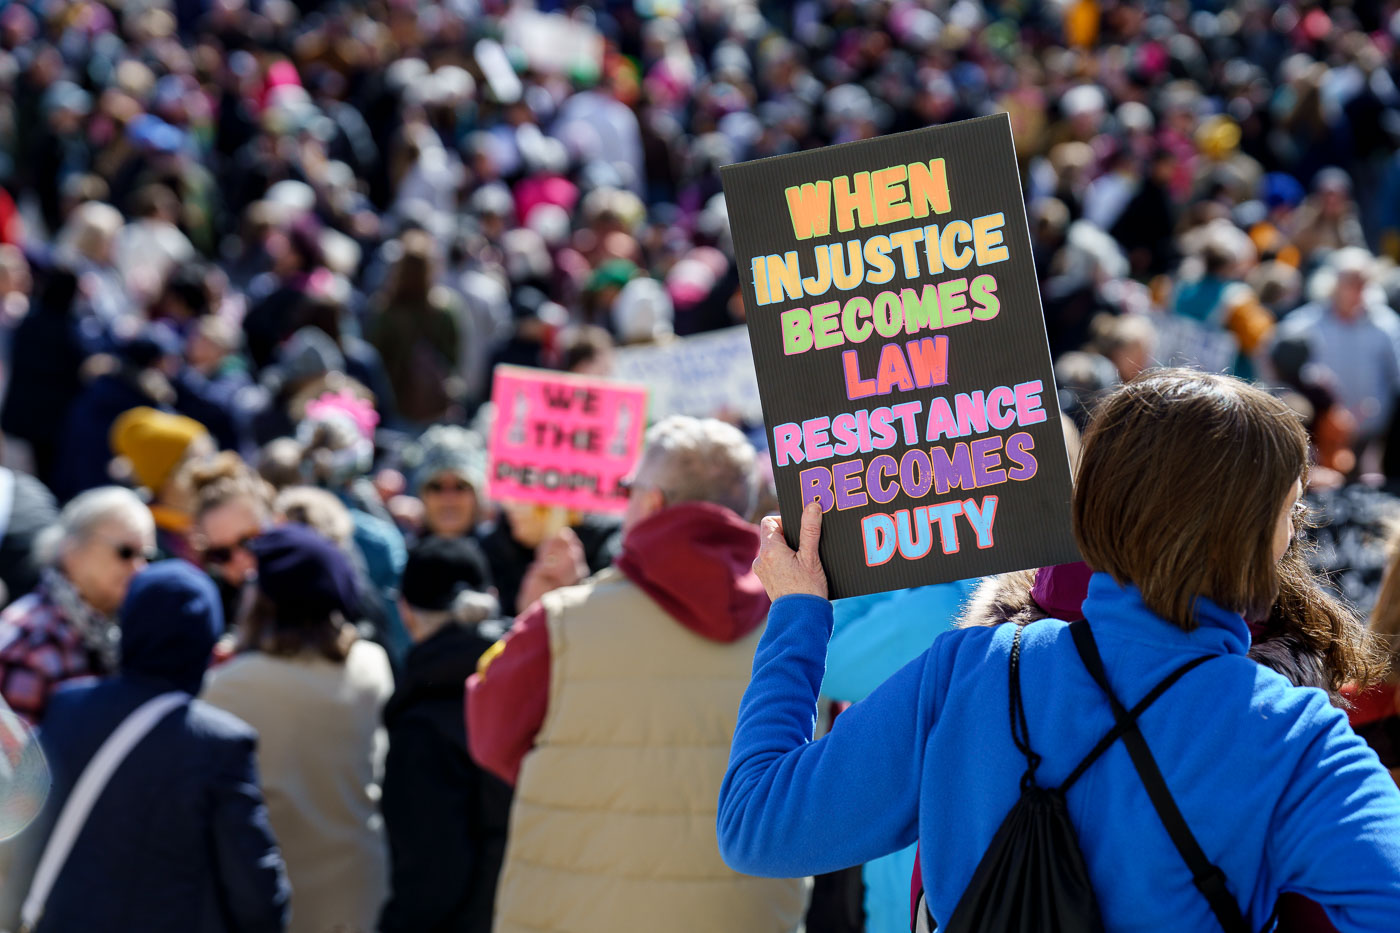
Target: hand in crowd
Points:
(783, 571)
(559, 562)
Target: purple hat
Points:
(1062, 589)
(305, 575)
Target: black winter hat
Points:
(438, 569)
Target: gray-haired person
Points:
(66, 628)
(611, 705)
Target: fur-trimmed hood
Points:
(1005, 597)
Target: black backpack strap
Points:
(1020, 731)
(1121, 726)
(1209, 879)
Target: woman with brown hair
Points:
(1183, 508)
(314, 691)
(1309, 637)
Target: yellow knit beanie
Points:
(154, 442)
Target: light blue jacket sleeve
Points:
(790, 806)
(874, 636)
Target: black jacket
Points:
(446, 817)
(509, 559)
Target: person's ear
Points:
(654, 500)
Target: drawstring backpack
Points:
(1032, 878)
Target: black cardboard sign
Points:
(901, 354)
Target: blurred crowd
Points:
(258, 259)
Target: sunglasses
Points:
(222, 555)
(436, 486)
(129, 552)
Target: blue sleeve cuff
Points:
(800, 609)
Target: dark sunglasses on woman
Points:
(222, 555)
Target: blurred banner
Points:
(706, 376)
(1182, 341)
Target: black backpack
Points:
(1032, 878)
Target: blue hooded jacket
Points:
(1278, 790)
(179, 841)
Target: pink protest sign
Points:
(564, 440)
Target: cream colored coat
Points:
(320, 758)
(613, 825)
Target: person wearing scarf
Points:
(157, 445)
(66, 629)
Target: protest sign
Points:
(563, 440)
(901, 355)
(702, 376)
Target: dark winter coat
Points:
(446, 817)
(47, 350)
(85, 451)
(509, 559)
(32, 509)
(179, 841)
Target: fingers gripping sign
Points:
(782, 570)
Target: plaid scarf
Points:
(99, 632)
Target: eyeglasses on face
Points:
(127, 552)
(438, 486)
(223, 554)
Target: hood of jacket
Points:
(696, 560)
(1005, 597)
(170, 620)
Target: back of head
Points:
(308, 354)
(1181, 481)
(170, 621)
(279, 462)
(90, 229)
(412, 275)
(305, 576)
(700, 460)
(306, 591)
(442, 572)
(317, 509)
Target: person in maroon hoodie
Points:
(610, 706)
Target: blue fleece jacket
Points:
(1277, 789)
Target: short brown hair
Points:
(1180, 484)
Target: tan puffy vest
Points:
(613, 825)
